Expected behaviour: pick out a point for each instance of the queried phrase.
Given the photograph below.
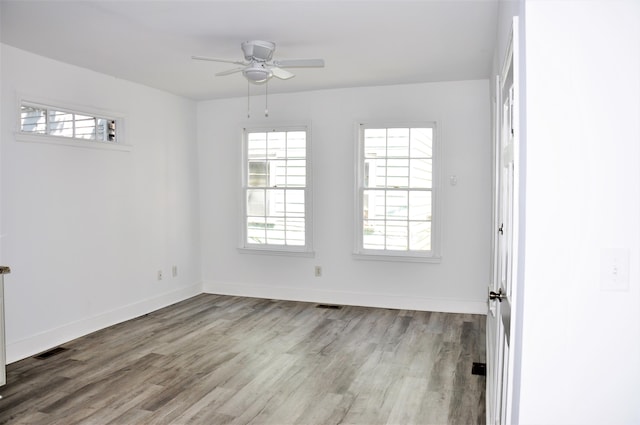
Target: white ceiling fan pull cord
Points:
(266, 95)
(248, 100)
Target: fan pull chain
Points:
(266, 95)
(248, 100)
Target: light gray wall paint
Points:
(86, 230)
(462, 111)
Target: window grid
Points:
(396, 190)
(59, 122)
(276, 210)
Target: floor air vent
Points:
(479, 369)
(50, 353)
(329, 306)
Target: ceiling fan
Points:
(258, 66)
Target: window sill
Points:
(275, 251)
(53, 140)
(397, 257)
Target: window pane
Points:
(275, 202)
(111, 130)
(33, 119)
(420, 205)
(397, 204)
(421, 142)
(258, 174)
(398, 142)
(276, 145)
(275, 230)
(295, 231)
(375, 142)
(296, 172)
(279, 173)
(257, 145)
(420, 236)
(102, 129)
(295, 203)
(85, 127)
(373, 234)
(376, 173)
(374, 204)
(256, 227)
(397, 173)
(296, 144)
(256, 205)
(397, 233)
(60, 123)
(421, 175)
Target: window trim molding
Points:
(283, 250)
(21, 136)
(432, 256)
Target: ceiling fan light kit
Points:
(257, 74)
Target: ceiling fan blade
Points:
(300, 63)
(281, 73)
(229, 71)
(205, 58)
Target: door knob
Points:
(497, 295)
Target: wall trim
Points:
(42, 341)
(404, 302)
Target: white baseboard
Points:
(38, 343)
(403, 302)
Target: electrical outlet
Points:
(159, 274)
(318, 271)
(614, 269)
(174, 271)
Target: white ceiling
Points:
(364, 43)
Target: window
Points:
(396, 192)
(277, 207)
(60, 122)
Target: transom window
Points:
(53, 121)
(396, 191)
(276, 190)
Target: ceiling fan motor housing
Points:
(258, 50)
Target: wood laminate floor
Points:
(231, 360)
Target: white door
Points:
(506, 196)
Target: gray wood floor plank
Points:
(217, 359)
(407, 406)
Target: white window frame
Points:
(47, 138)
(430, 256)
(305, 250)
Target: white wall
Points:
(86, 230)
(581, 340)
(462, 111)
